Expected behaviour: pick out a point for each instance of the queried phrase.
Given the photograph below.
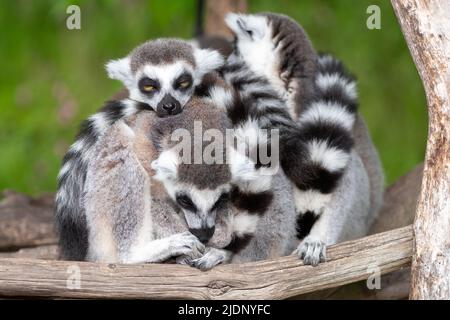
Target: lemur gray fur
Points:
(313, 101)
(132, 218)
(160, 75)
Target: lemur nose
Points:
(169, 106)
(203, 234)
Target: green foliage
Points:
(51, 78)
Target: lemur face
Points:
(164, 73)
(200, 206)
(166, 88)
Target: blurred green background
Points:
(51, 78)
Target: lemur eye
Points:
(147, 85)
(185, 202)
(183, 82)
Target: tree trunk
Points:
(426, 27)
(216, 11)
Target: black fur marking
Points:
(238, 243)
(73, 235)
(333, 133)
(305, 222)
(231, 68)
(240, 82)
(254, 203)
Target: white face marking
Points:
(165, 75)
(204, 200)
(166, 167)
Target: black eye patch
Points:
(148, 86)
(185, 202)
(224, 197)
(183, 82)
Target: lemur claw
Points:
(312, 251)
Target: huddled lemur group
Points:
(126, 194)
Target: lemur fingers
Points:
(312, 250)
(186, 244)
(212, 258)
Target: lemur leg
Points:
(344, 216)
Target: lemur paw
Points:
(210, 259)
(312, 251)
(186, 244)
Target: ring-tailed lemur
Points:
(160, 75)
(275, 68)
(131, 219)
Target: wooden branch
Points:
(26, 221)
(276, 279)
(426, 27)
(44, 252)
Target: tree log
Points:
(215, 14)
(26, 221)
(273, 279)
(426, 27)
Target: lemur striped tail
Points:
(315, 148)
(69, 210)
(317, 154)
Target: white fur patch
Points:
(246, 176)
(130, 107)
(325, 81)
(120, 70)
(310, 200)
(77, 146)
(166, 166)
(221, 97)
(251, 134)
(244, 223)
(257, 50)
(206, 60)
(65, 168)
(328, 112)
(330, 158)
(326, 59)
(100, 123)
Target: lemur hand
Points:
(186, 245)
(312, 250)
(211, 258)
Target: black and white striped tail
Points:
(317, 154)
(69, 212)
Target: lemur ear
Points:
(166, 166)
(247, 25)
(120, 70)
(207, 60)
